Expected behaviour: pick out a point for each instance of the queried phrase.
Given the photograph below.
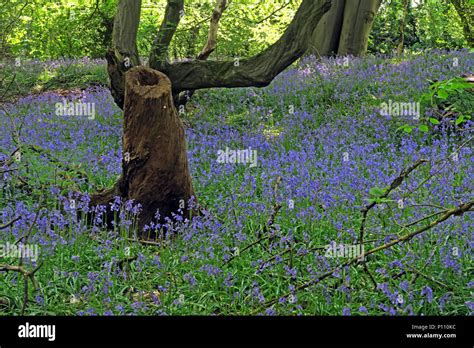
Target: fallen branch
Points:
(145, 242)
(395, 183)
(286, 251)
(460, 210)
(8, 170)
(247, 248)
(8, 224)
(365, 211)
(27, 275)
(428, 277)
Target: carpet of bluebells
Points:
(322, 145)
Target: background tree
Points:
(465, 10)
(425, 26)
(345, 28)
(401, 41)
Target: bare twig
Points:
(8, 224)
(27, 276)
(395, 183)
(460, 210)
(8, 170)
(428, 277)
(247, 248)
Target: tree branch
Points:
(395, 183)
(211, 42)
(258, 70)
(8, 224)
(460, 210)
(209, 46)
(159, 50)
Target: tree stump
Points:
(155, 169)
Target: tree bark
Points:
(155, 170)
(159, 51)
(401, 39)
(359, 16)
(325, 40)
(345, 28)
(124, 53)
(211, 42)
(259, 70)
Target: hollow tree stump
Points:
(155, 170)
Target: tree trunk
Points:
(155, 170)
(124, 53)
(159, 50)
(401, 39)
(326, 37)
(345, 28)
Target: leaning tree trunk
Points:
(124, 53)
(155, 170)
(345, 28)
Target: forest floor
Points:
(281, 230)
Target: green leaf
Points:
(460, 119)
(405, 128)
(385, 200)
(434, 120)
(442, 94)
(423, 128)
(376, 191)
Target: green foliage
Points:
(54, 29)
(377, 191)
(426, 26)
(452, 99)
(77, 28)
(39, 29)
(453, 96)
